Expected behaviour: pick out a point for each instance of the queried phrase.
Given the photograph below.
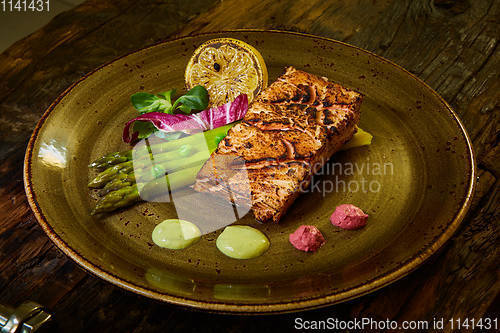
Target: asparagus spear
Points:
(212, 138)
(169, 164)
(174, 181)
(117, 199)
(111, 159)
(129, 194)
(110, 173)
(121, 180)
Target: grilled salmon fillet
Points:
(289, 131)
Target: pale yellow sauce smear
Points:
(175, 234)
(242, 242)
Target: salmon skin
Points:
(289, 131)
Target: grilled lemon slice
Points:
(227, 67)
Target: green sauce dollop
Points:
(175, 234)
(242, 242)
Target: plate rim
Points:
(313, 302)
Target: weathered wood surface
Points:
(451, 44)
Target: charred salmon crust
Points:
(290, 130)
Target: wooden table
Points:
(450, 44)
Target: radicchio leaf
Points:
(197, 122)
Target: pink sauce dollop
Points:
(349, 217)
(307, 238)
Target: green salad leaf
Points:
(194, 99)
(146, 102)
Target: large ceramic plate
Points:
(418, 196)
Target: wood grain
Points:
(451, 44)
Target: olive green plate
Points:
(419, 194)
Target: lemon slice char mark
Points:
(227, 67)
